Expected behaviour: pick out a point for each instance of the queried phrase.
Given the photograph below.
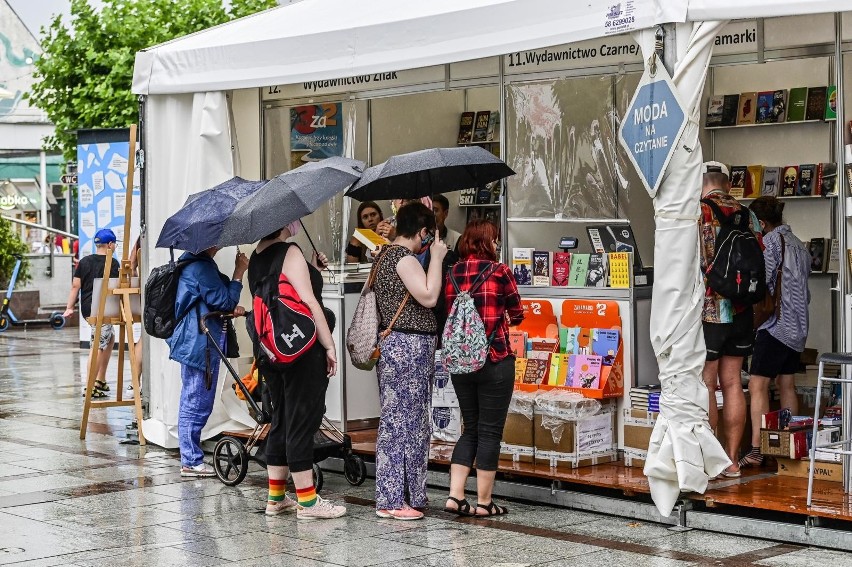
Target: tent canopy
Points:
(327, 39)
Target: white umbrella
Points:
(683, 454)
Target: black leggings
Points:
(298, 404)
(484, 398)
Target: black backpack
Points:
(737, 270)
(158, 316)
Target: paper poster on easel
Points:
(102, 156)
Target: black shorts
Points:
(772, 357)
(730, 339)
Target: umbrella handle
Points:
(311, 241)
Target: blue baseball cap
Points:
(104, 236)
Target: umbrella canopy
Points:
(198, 224)
(289, 197)
(423, 173)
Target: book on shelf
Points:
(833, 266)
(815, 109)
(493, 132)
(569, 340)
(484, 196)
(754, 181)
(598, 270)
(730, 105)
(605, 344)
(715, 110)
(739, 178)
(536, 370)
(619, 270)
(831, 103)
(552, 378)
(764, 107)
(561, 268)
(650, 403)
(370, 239)
(518, 343)
(807, 177)
(817, 250)
(584, 371)
(480, 128)
(747, 108)
(537, 354)
(771, 180)
(520, 369)
(466, 127)
(541, 268)
(542, 344)
(522, 265)
(789, 180)
(826, 183)
(579, 270)
(797, 104)
(779, 106)
(849, 176)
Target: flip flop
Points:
(492, 509)
(101, 385)
(462, 509)
(732, 474)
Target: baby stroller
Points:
(234, 451)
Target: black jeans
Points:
(298, 404)
(484, 398)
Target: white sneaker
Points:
(276, 508)
(322, 510)
(198, 471)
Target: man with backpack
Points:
(732, 263)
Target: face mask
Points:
(427, 241)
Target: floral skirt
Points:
(406, 369)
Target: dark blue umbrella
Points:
(198, 224)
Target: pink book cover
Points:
(584, 371)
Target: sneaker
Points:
(322, 510)
(276, 508)
(198, 471)
(406, 513)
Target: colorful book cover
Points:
(493, 132)
(826, 179)
(520, 369)
(779, 105)
(729, 109)
(562, 378)
(747, 108)
(579, 270)
(553, 371)
(764, 107)
(754, 181)
(619, 269)
(771, 181)
(371, 239)
(536, 370)
(480, 129)
(466, 127)
(715, 108)
(605, 344)
(790, 180)
(569, 340)
(797, 104)
(540, 344)
(807, 177)
(816, 247)
(597, 274)
(815, 109)
(561, 268)
(522, 265)
(541, 267)
(739, 176)
(831, 103)
(518, 343)
(584, 371)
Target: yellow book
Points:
(553, 373)
(520, 369)
(619, 269)
(369, 238)
(563, 369)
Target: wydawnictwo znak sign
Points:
(652, 125)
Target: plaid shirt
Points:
(496, 297)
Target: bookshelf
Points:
(795, 123)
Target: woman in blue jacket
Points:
(201, 289)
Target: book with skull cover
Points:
(815, 109)
(790, 180)
(807, 176)
(747, 108)
(771, 180)
(739, 174)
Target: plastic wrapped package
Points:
(557, 407)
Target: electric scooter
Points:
(7, 317)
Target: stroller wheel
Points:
(354, 469)
(317, 478)
(57, 321)
(4, 323)
(230, 461)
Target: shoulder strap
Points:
(728, 219)
(387, 331)
(480, 279)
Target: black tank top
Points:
(272, 258)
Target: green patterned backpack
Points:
(464, 343)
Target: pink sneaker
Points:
(406, 513)
(276, 508)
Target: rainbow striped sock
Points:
(277, 489)
(307, 497)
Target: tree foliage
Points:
(86, 69)
(10, 245)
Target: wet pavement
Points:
(69, 502)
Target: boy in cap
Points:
(89, 268)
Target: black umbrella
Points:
(287, 198)
(424, 173)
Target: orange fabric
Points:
(250, 380)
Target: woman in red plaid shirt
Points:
(483, 395)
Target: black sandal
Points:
(463, 507)
(492, 509)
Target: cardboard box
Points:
(518, 442)
(576, 443)
(635, 458)
(790, 444)
(443, 392)
(832, 472)
(638, 426)
(446, 424)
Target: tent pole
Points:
(666, 46)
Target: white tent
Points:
(188, 138)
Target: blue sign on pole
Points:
(652, 126)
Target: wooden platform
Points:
(757, 489)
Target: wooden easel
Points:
(125, 319)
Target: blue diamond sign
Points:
(652, 126)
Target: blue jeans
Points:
(196, 405)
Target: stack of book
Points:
(479, 127)
(566, 269)
(769, 107)
(645, 398)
